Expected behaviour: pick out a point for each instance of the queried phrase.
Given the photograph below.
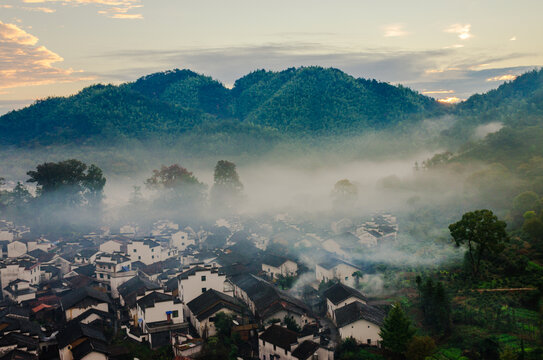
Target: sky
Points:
(445, 49)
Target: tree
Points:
(396, 332)
(227, 187)
(344, 193)
(526, 201)
(291, 323)
(223, 324)
(435, 305)
(69, 182)
(177, 186)
(171, 177)
(357, 275)
(482, 233)
(420, 347)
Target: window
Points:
(139, 257)
(346, 278)
(134, 250)
(204, 290)
(212, 319)
(152, 250)
(175, 313)
(152, 256)
(285, 351)
(203, 278)
(369, 341)
(274, 348)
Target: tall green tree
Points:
(227, 187)
(70, 182)
(344, 193)
(396, 332)
(482, 233)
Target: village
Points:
(166, 286)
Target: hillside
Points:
(298, 101)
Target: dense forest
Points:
(299, 101)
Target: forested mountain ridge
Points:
(301, 101)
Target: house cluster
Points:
(68, 298)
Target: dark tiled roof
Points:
(274, 260)
(267, 298)
(305, 350)
(332, 262)
(75, 330)
(101, 314)
(19, 355)
(21, 340)
(134, 287)
(41, 256)
(210, 302)
(75, 296)
(357, 311)
(88, 346)
(339, 292)
(87, 270)
(152, 298)
(279, 336)
(185, 274)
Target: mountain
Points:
(298, 101)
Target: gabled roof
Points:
(279, 336)
(305, 350)
(357, 311)
(340, 292)
(332, 262)
(86, 253)
(268, 299)
(274, 260)
(40, 255)
(21, 340)
(18, 355)
(89, 346)
(150, 243)
(87, 270)
(210, 302)
(75, 296)
(75, 330)
(185, 274)
(134, 287)
(151, 299)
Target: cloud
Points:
(40, 9)
(463, 31)
(437, 92)
(5, 6)
(514, 38)
(24, 63)
(450, 100)
(116, 9)
(507, 77)
(394, 30)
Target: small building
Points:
(76, 302)
(335, 269)
(203, 309)
(360, 321)
(20, 290)
(199, 278)
(276, 266)
(82, 341)
(277, 342)
(16, 248)
(339, 295)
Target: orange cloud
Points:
(507, 77)
(450, 100)
(429, 92)
(23, 63)
(116, 9)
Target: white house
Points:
(334, 269)
(339, 295)
(203, 309)
(147, 251)
(7, 235)
(111, 246)
(276, 266)
(180, 240)
(77, 301)
(20, 290)
(157, 306)
(22, 268)
(16, 248)
(277, 342)
(112, 270)
(198, 279)
(360, 321)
